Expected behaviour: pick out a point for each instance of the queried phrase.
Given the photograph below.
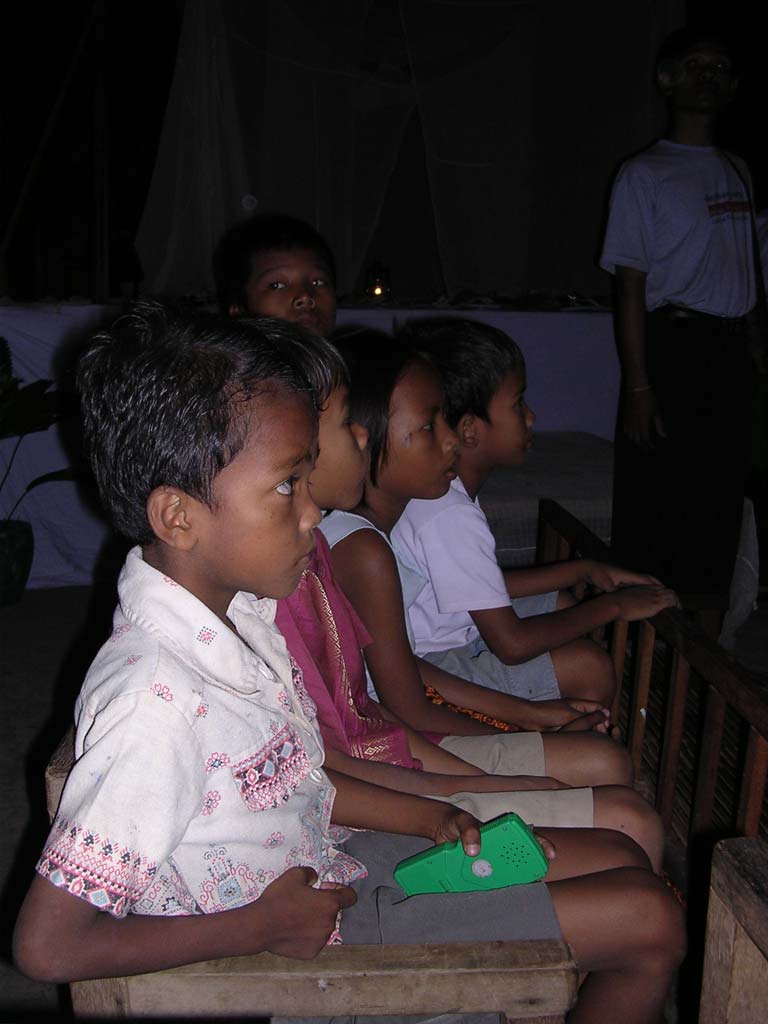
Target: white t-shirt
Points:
(681, 214)
(198, 775)
(449, 542)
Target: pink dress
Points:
(325, 637)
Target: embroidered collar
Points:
(163, 608)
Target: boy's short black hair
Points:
(471, 357)
(322, 362)
(682, 42)
(376, 363)
(263, 232)
(162, 394)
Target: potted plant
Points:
(24, 409)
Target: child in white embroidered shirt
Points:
(202, 436)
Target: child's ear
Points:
(665, 80)
(171, 515)
(466, 428)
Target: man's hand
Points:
(301, 917)
(641, 419)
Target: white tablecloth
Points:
(573, 381)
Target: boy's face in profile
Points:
(338, 478)
(257, 537)
(294, 285)
(509, 435)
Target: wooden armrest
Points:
(524, 980)
(735, 987)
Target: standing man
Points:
(679, 242)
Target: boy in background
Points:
(275, 265)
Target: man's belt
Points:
(725, 323)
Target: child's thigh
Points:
(531, 680)
(503, 753)
(382, 915)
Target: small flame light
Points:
(377, 283)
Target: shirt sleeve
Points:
(460, 556)
(629, 234)
(126, 804)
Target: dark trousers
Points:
(677, 509)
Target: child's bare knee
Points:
(625, 810)
(584, 670)
(620, 850)
(610, 763)
(659, 921)
(600, 667)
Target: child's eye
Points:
(276, 285)
(320, 282)
(287, 486)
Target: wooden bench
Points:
(532, 981)
(735, 988)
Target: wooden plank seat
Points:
(532, 981)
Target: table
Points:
(573, 381)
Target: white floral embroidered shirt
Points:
(198, 776)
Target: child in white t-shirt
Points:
(517, 630)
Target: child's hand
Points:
(573, 715)
(549, 848)
(458, 824)
(609, 577)
(301, 918)
(643, 602)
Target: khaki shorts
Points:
(506, 753)
(518, 753)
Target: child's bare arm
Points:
(60, 937)
(433, 783)
(541, 579)
(365, 569)
(514, 640)
(526, 715)
(435, 759)
(359, 804)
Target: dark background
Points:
(84, 93)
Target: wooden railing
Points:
(726, 689)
